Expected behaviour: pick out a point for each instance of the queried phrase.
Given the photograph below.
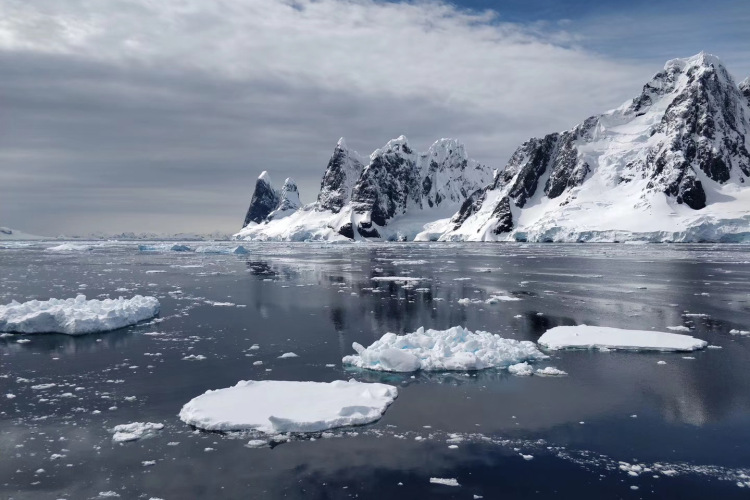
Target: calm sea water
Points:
(685, 423)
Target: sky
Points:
(141, 115)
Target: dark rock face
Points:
(745, 89)
(264, 201)
(347, 230)
(503, 217)
(342, 172)
(389, 184)
(469, 207)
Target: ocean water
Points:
(620, 425)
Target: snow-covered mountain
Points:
(391, 195)
(672, 164)
(8, 234)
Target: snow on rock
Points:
(76, 316)
(600, 337)
(272, 406)
(454, 349)
(135, 431)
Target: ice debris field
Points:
(76, 316)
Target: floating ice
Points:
(164, 247)
(272, 406)
(69, 247)
(134, 431)
(445, 481)
(550, 371)
(454, 349)
(238, 250)
(600, 337)
(76, 316)
(521, 369)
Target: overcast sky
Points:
(144, 115)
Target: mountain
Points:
(390, 196)
(672, 164)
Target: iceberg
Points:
(135, 431)
(76, 316)
(601, 337)
(238, 250)
(273, 406)
(441, 350)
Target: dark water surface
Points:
(687, 420)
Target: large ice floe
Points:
(439, 350)
(600, 337)
(273, 406)
(76, 316)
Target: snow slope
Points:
(670, 165)
(8, 234)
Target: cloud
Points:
(159, 115)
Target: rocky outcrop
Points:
(264, 201)
(343, 170)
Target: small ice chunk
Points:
(288, 355)
(551, 371)
(445, 481)
(598, 337)
(272, 406)
(135, 431)
(521, 369)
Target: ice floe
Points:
(600, 337)
(76, 316)
(134, 431)
(272, 406)
(238, 250)
(453, 349)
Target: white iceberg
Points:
(437, 350)
(76, 316)
(70, 247)
(600, 337)
(272, 406)
(134, 431)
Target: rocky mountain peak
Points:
(264, 201)
(342, 172)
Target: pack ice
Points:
(76, 316)
(272, 406)
(600, 337)
(453, 349)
